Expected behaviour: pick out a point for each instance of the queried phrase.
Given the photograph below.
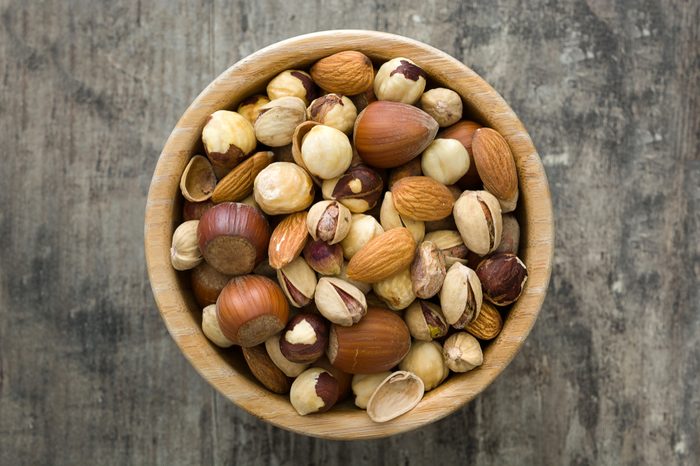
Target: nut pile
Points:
(352, 233)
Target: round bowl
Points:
(226, 370)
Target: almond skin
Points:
(265, 370)
(496, 166)
(383, 256)
(389, 134)
(488, 324)
(422, 198)
(238, 183)
(287, 240)
(345, 73)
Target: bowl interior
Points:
(225, 370)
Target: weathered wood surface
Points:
(609, 92)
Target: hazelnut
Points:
(339, 301)
(462, 352)
(428, 270)
(195, 210)
(283, 188)
(324, 258)
(184, 252)
(305, 338)
(250, 106)
(314, 391)
(290, 369)
(503, 278)
(363, 99)
(211, 329)
(333, 110)
(396, 291)
(400, 80)
(445, 160)
(343, 275)
(390, 218)
(292, 83)
(425, 321)
(362, 229)
(450, 244)
(364, 385)
(460, 296)
(328, 221)
(445, 105)
(411, 168)
(478, 218)
(278, 119)
(463, 131)
(326, 152)
(348, 72)
(207, 283)
(227, 137)
(358, 189)
(426, 361)
(510, 235)
(298, 282)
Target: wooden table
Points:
(609, 92)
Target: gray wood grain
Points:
(609, 92)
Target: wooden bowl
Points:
(225, 370)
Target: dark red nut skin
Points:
(324, 258)
(300, 352)
(328, 390)
(343, 378)
(502, 277)
(371, 185)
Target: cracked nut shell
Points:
(428, 270)
(460, 296)
(328, 221)
(425, 321)
(298, 282)
(339, 301)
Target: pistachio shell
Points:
(396, 395)
(198, 180)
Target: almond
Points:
(383, 256)
(287, 240)
(346, 73)
(265, 370)
(488, 324)
(496, 166)
(238, 183)
(422, 198)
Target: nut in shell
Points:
(324, 258)
(462, 352)
(425, 321)
(362, 229)
(227, 137)
(250, 106)
(358, 189)
(396, 291)
(298, 282)
(349, 73)
(292, 83)
(400, 80)
(445, 105)
(397, 394)
(314, 391)
(364, 385)
(278, 119)
(450, 244)
(211, 329)
(426, 361)
(328, 221)
(460, 296)
(503, 278)
(305, 338)
(391, 218)
(333, 110)
(445, 160)
(283, 188)
(198, 180)
(339, 301)
(184, 252)
(478, 218)
(428, 270)
(326, 152)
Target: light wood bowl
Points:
(225, 370)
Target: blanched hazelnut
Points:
(292, 83)
(278, 119)
(250, 106)
(362, 229)
(390, 218)
(333, 110)
(305, 338)
(445, 160)
(211, 329)
(328, 221)
(425, 321)
(358, 189)
(426, 361)
(298, 282)
(399, 80)
(462, 352)
(227, 137)
(314, 391)
(396, 291)
(184, 252)
(364, 385)
(445, 105)
(326, 152)
(283, 188)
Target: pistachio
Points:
(298, 282)
(324, 258)
(478, 218)
(290, 369)
(503, 278)
(339, 301)
(362, 229)
(328, 221)
(425, 321)
(451, 244)
(390, 218)
(428, 270)
(333, 110)
(462, 352)
(358, 189)
(397, 394)
(396, 291)
(278, 119)
(460, 296)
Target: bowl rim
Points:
(238, 81)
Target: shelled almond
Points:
(333, 182)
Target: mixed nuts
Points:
(343, 243)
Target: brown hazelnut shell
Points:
(207, 283)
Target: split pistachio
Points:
(328, 221)
(428, 270)
(298, 281)
(390, 218)
(478, 218)
(339, 301)
(278, 119)
(450, 244)
(462, 352)
(290, 369)
(425, 321)
(460, 296)
(324, 258)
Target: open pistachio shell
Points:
(399, 393)
(198, 180)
